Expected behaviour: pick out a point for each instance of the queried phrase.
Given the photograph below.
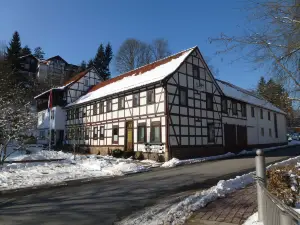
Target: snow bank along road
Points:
(107, 201)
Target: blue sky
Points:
(74, 29)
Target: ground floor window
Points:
(42, 134)
(95, 133)
(270, 132)
(211, 132)
(86, 135)
(141, 136)
(102, 132)
(155, 132)
(115, 137)
(262, 131)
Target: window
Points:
(252, 112)
(86, 82)
(52, 114)
(234, 108)
(95, 133)
(95, 109)
(262, 131)
(79, 137)
(84, 112)
(71, 114)
(275, 125)
(155, 132)
(77, 113)
(183, 96)
(108, 106)
(121, 103)
(71, 136)
(141, 136)
(76, 134)
(211, 132)
(261, 114)
(269, 116)
(243, 109)
(101, 107)
(150, 97)
(86, 136)
(209, 102)
(68, 114)
(42, 134)
(136, 100)
(224, 105)
(115, 137)
(196, 73)
(101, 132)
(270, 132)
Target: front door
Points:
(230, 137)
(129, 136)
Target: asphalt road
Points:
(107, 201)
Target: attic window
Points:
(86, 82)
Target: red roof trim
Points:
(77, 77)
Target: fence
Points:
(271, 211)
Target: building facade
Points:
(61, 96)
(173, 107)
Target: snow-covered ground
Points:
(178, 213)
(20, 175)
(253, 220)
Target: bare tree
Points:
(274, 43)
(134, 53)
(17, 116)
(160, 48)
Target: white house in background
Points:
(71, 91)
(173, 107)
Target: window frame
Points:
(261, 114)
(185, 91)
(155, 124)
(95, 134)
(152, 94)
(234, 109)
(109, 103)
(197, 75)
(95, 109)
(141, 125)
(262, 131)
(243, 109)
(86, 134)
(209, 138)
(136, 104)
(101, 134)
(269, 115)
(209, 96)
(113, 140)
(252, 112)
(120, 100)
(101, 107)
(226, 104)
(77, 113)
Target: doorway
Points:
(129, 136)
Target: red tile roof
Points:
(139, 70)
(77, 77)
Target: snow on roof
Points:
(241, 94)
(144, 75)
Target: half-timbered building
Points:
(73, 89)
(173, 107)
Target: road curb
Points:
(77, 182)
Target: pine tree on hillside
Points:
(90, 63)
(39, 53)
(99, 59)
(25, 51)
(82, 66)
(13, 51)
(108, 58)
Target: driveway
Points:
(107, 201)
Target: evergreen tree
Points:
(13, 51)
(39, 53)
(90, 63)
(99, 59)
(83, 65)
(25, 51)
(261, 87)
(108, 58)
